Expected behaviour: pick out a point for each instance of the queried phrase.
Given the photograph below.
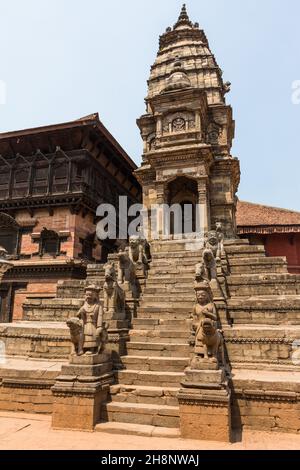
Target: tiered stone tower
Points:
(188, 130)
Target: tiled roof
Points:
(257, 215)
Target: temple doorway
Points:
(183, 197)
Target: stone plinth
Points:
(204, 405)
(80, 391)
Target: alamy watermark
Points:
(161, 221)
(296, 92)
(3, 92)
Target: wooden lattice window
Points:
(49, 243)
(9, 234)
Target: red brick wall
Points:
(83, 228)
(61, 220)
(287, 245)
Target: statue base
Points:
(79, 392)
(204, 405)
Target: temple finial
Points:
(183, 18)
(183, 14)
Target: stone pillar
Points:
(160, 189)
(159, 126)
(204, 405)
(198, 125)
(80, 391)
(203, 202)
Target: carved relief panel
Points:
(214, 132)
(179, 122)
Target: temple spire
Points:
(183, 19)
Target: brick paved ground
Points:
(32, 432)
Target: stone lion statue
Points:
(77, 338)
(212, 340)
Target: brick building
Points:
(52, 180)
(277, 229)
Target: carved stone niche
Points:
(213, 133)
(179, 122)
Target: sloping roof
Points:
(257, 215)
(92, 120)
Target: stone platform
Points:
(25, 384)
(261, 322)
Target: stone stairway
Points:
(158, 350)
(263, 306)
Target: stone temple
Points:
(169, 336)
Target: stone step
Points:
(258, 277)
(159, 336)
(47, 310)
(149, 378)
(37, 340)
(255, 285)
(236, 242)
(263, 344)
(138, 413)
(258, 265)
(152, 363)
(160, 324)
(169, 280)
(174, 274)
(72, 289)
(167, 301)
(138, 430)
(158, 349)
(271, 310)
(148, 395)
(247, 250)
(176, 255)
(261, 317)
(175, 264)
(164, 313)
(187, 290)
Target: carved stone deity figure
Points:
(206, 338)
(88, 331)
(114, 296)
(207, 269)
(138, 253)
(212, 242)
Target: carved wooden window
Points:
(21, 182)
(61, 172)
(41, 174)
(4, 181)
(49, 243)
(40, 180)
(9, 234)
(22, 175)
(88, 245)
(60, 178)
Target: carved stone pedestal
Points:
(204, 405)
(80, 391)
(117, 339)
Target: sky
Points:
(64, 59)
